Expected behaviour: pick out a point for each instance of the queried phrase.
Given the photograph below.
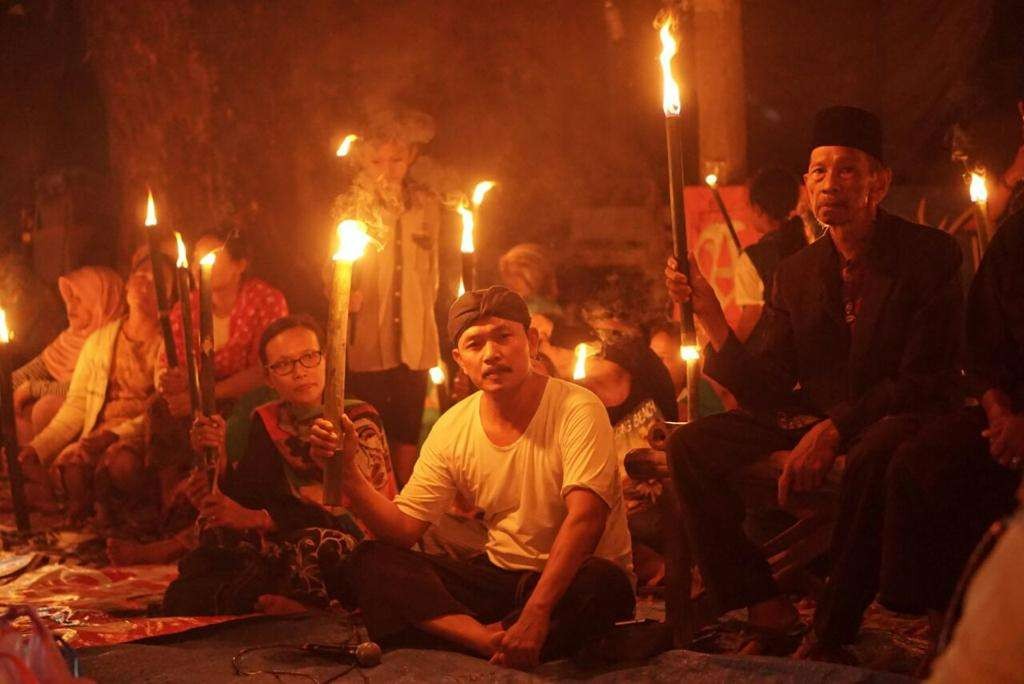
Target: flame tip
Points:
(346, 145)
(182, 252)
(352, 240)
(150, 209)
(978, 189)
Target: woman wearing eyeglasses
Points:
(267, 534)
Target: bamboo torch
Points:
(469, 211)
(352, 241)
(672, 107)
(579, 369)
(10, 434)
(979, 196)
(207, 376)
(187, 324)
(440, 380)
(158, 283)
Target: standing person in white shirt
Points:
(536, 455)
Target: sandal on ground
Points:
(769, 641)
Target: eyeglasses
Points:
(310, 359)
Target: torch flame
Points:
(352, 240)
(209, 259)
(182, 253)
(579, 371)
(481, 189)
(346, 144)
(670, 101)
(5, 334)
(150, 210)
(689, 353)
(711, 179)
(462, 287)
(437, 375)
(467, 227)
(979, 193)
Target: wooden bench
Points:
(789, 552)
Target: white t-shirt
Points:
(521, 487)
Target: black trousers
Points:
(399, 588)
(707, 458)
(943, 492)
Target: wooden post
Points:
(718, 82)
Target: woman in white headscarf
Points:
(93, 296)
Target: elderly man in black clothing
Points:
(860, 342)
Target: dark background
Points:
(231, 109)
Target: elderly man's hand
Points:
(1006, 439)
(810, 461)
(697, 290)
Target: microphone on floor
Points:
(366, 654)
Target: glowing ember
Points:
(150, 210)
(670, 101)
(352, 240)
(481, 189)
(467, 227)
(711, 179)
(182, 252)
(209, 259)
(689, 353)
(437, 375)
(579, 371)
(346, 145)
(979, 193)
(5, 333)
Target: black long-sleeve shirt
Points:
(995, 316)
(260, 482)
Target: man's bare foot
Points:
(124, 552)
(775, 628)
(496, 656)
(274, 604)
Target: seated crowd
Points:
(854, 354)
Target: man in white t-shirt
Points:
(535, 454)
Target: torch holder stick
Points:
(162, 306)
(10, 443)
(334, 392)
(207, 390)
(984, 231)
(688, 335)
(728, 219)
(189, 331)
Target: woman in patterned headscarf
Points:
(93, 296)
